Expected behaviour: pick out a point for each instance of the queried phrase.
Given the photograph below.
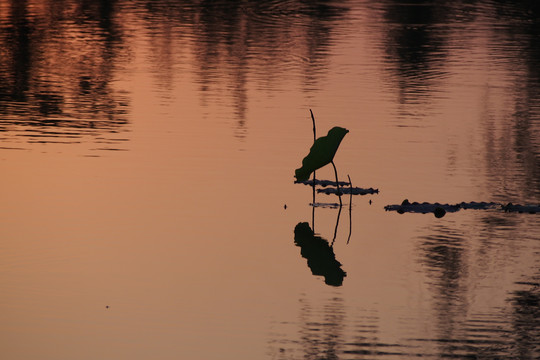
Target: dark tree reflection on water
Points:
(320, 331)
(237, 43)
(526, 319)
(454, 267)
(522, 135)
(419, 37)
(56, 87)
(416, 47)
(59, 62)
(443, 255)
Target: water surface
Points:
(147, 152)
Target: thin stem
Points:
(336, 228)
(337, 184)
(313, 205)
(314, 138)
(313, 185)
(314, 129)
(350, 211)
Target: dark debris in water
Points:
(323, 183)
(531, 209)
(325, 205)
(345, 187)
(348, 190)
(439, 210)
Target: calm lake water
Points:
(148, 206)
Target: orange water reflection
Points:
(148, 150)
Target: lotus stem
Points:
(313, 185)
(338, 193)
(350, 210)
(314, 129)
(314, 138)
(337, 225)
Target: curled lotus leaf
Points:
(322, 152)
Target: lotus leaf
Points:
(321, 153)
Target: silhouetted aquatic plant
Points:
(322, 153)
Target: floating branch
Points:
(349, 190)
(439, 210)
